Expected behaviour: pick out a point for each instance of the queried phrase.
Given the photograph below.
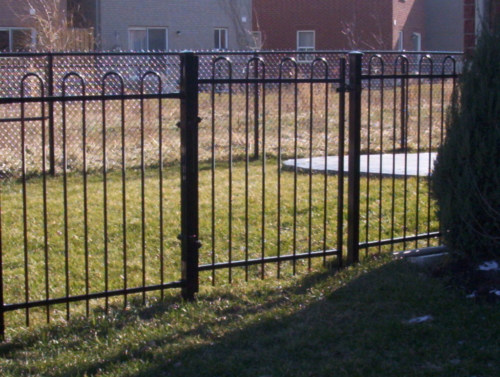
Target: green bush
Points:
(466, 177)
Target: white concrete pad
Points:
(397, 164)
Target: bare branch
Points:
(54, 26)
(236, 9)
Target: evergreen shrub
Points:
(466, 177)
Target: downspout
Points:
(98, 28)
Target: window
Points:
(256, 40)
(15, 40)
(220, 39)
(148, 39)
(417, 41)
(305, 42)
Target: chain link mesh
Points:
(250, 111)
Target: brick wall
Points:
(409, 17)
(366, 23)
(339, 24)
(492, 7)
(469, 25)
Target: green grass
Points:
(351, 322)
(251, 231)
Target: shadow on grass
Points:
(354, 323)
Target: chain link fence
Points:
(44, 127)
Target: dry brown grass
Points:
(296, 120)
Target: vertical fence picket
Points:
(52, 133)
(341, 152)
(355, 65)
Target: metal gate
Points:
(258, 219)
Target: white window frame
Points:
(256, 40)
(306, 58)
(146, 29)
(220, 42)
(417, 41)
(12, 29)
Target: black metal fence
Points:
(93, 145)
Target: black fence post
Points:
(50, 90)
(355, 63)
(189, 174)
(256, 108)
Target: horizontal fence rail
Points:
(116, 168)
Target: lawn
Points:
(311, 321)
(132, 240)
(353, 322)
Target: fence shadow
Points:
(361, 326)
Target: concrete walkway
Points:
(398, 164)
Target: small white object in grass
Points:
(472, 295)
(488, 266)
(424, 318)
(495, 292)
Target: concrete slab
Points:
(397, 164)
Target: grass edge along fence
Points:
(238, 122)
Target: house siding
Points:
(14, 13)
(444, 36)
(409, 17)
(339, 24)
(194, 19)
(11, 14)
(469, 25)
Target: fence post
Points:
(355, 62)
(256, 108)
(50, 90)
(189, 174)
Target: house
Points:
(128, 25)
(478, 13)
(340, 25)
(16, 30)
(410, 25)
(444, 28)
(45, 25)
(162, 25)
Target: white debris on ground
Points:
(492, 292)
(489, 266)
(424, 318)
